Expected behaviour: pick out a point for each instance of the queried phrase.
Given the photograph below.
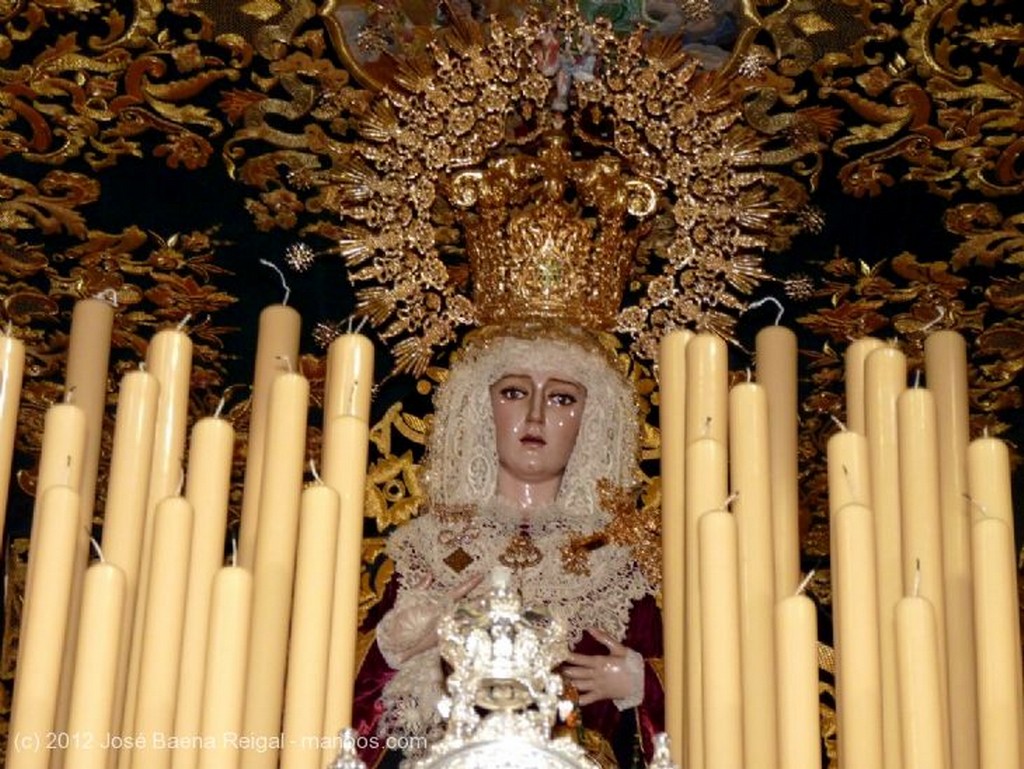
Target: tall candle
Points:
(60, 460)
(859, 686)
(707, 388)
(349, 377)
(672, 423)
(227, 657)
(796, 654)
(945, 357)
(92, 322)
(43, 629)
(274, 564)
(706, 488)
(12, 367)
(988, 478)
(208, 483)
(163, 619)
(924, 739)
(723, 709)
(749, 450)
(127, 491)
(922, 521)
(346, 474)
(997, 636)
(885, 377)
(776, 371)
(169, 359)
(277, 346)
(308, 647)
(90, 720)
(853, 367)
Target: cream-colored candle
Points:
(60, 461)
(12, 369)
(349, 382)
(922, 521)
(720, 642)
(227, 656)
(277, 350)
(169, 359)
(885, 377)
(988, 478)
(855, 607)
(848, 483)
(306, 687)
(127, 491)
(672, 423)
(90, 720)
(776, 371)
(706, 489)
(796, 654)
(43, 629)
(750, 475)
(274, 565)
(345, 473)
(707, 388)
(207, 486)
(849, 477)
(997, 636)
(853, 367)
(945, 357)
(925, 743)
(92, 323)
(160, 657)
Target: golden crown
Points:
(550, 237)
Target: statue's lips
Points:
(533, 440)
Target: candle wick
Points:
(10, 329)
(97, 549)
(142, 366)
(838, 421)
(730, 499)
(107, 295)
(927, 326)
(234, 551)
(287, 362)
(804, 583)
(284, 282)
(184, 321)
(69, 394)
(770, 300)
(974, 503)
(312, 469)
(362, 322)
(917, 578)
(349, 319)
(984, 431)
(917, 378)
(220, 407)
(749, 377)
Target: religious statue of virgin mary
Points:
(625, 168)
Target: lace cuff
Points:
(400, 633)
(635, 669)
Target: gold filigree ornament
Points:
(589, 160)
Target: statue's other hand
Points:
(617, 675)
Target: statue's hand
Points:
(617, 675)
(410, 628)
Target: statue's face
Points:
(536, 420)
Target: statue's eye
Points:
(563, 398)
(512, 393)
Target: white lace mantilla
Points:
(601, 599)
